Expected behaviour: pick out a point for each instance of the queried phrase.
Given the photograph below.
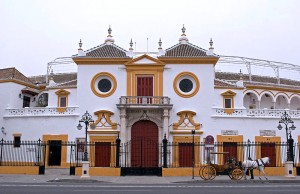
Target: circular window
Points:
(186, 84)
(103, 84)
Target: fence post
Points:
(2, 141)
(165, 150)
(118, 145)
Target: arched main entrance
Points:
(144, 149)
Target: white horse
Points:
(259, 164)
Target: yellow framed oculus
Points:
(103, 84)
(186, 84)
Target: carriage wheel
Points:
(209, 172)
(201, 172)
(237, 174)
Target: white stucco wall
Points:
(88, 101)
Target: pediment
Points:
(228, 93)
(145, 60)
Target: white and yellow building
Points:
(146, 98)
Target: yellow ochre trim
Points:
(60, 94)
(178, 60)
(95, 90)
(230, 138)
(228, 95)
(186, 114)
(104, 114)
(177, 90)
(110, 139)
(99, 61)
(185, 139)
(273, 88)
(63, 138)
(269, 139)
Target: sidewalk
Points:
(9, 178)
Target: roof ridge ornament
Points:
(131, 44)
(109, 40)
(80, 50)
(211, 48)
(130, 52)
(159, 43)
(183, 39)
(160, 50)
(80, 44)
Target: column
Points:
(166, 123)
(123, 125)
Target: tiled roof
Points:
(58, 78)
(107, 51)
(186, 50)
(72, 83)
(14, 74)
(258, 80)
(222, 83)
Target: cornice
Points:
(183, 60)
(94, 61)
(273, 88)
(20, 82)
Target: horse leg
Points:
(259, 169)
(263, 171)
(245, 170)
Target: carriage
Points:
(232, 168)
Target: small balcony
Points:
(254, 113)
(40, 111)
(144, 102)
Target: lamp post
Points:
(286, 120)
(193, 153)
(289, 164)
(87, 120)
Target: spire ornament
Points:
(109, 30)
(131, 43)
(159, 43)
(183, 29)
(80, 44)
(211, 43)
(183, 39)
(109, 39)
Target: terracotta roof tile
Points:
(14, 74)
(221, 83)
(258, 80)
(58, 78)
(185, 50)
(107, 51)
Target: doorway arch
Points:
(144, 144)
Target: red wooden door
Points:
(144, 144)
(102, 154)
(231, 148)
(268, 150)
(185, 154)
(145, 88)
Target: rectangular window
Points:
(17, 141)
(26, 101)
(228, 103)
(63, 101)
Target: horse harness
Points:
(262, 162)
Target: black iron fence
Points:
(117, 154)
(189, 154)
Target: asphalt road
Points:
(177, 188)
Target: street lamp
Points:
(87, 120)
(193, 153)
(286, 120)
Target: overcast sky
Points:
(35, 32)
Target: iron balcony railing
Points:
(145, 101)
